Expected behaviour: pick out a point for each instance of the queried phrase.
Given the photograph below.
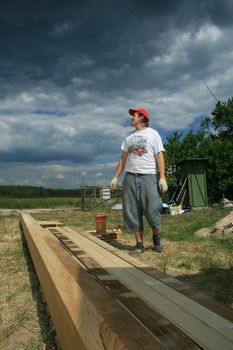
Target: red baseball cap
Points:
(139, 110)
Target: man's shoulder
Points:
(152, 131)
(147, 131)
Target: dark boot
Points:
(138, 248)
(157, 244)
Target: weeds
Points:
(30, 203)
(19, 322)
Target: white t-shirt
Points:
(142, 145)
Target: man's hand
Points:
(113, 183)
(163, 185)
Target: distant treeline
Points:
(37, 192)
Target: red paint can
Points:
(100, 221)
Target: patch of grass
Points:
(219, 282)
(185, 264)
(225, 244)
(182, 227)
(30, 203)
(20, 322)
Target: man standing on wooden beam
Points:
(142, 156)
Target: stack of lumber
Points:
(100, 298)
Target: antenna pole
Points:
(210, 91)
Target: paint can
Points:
(100, 221)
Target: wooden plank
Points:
(84, 314)
(172, 282)
(205, 327)
(163, 329)
(108, 235)
(211, 304)
(46, 223)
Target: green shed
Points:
(194, 170)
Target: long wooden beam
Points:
(84, 314)
(157, 324)
(184, 288)
(208, 329)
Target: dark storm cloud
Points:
(103, 44)
(106, 40)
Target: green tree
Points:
(214, 140)
(221, 125)
(178, 149)
(219, 172)
(223, 118)
(173, 153)
(218, 145)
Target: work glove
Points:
(113, 183)
(163, 185)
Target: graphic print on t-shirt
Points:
(137, 145)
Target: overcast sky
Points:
(70, 70)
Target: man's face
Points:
(135, 119)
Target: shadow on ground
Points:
(215, 282)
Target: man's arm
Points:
(161, 164)
(161, 167)
(119, 169)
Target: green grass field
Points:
(30, 203)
